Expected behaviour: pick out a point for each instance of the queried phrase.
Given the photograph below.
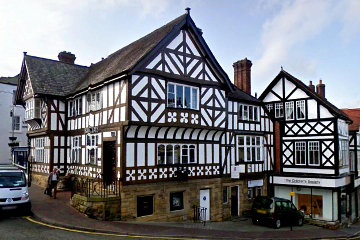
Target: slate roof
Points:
(10, 80)
(51, 77)
(305, 88)
(354, 115)
(127, 57)
(240, 95)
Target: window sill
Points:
(179, 109)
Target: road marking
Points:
(108, 234)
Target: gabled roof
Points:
(51, 77)
(332, 108)
(127, 59)
(242, 96)
(354, 115)
(9, 80)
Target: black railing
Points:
(95, 187)
(199, 214)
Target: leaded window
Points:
(300, 153)
(300, 109)
(279, 110)
(182, 96)
(249, 148)
(75, 149)
(176, 154)
(314, 153)
(92, 141)
(289, 110)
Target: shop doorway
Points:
(235, 201)
(109, 162)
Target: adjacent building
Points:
(161, 116)
(12, 126)
(313, 146)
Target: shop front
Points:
(319, 198)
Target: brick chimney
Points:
(242, 75)
(320, 89)
(312, 87)
(66, 57)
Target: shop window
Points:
(253, 192)
(279, 110)
(289, 110)
(145, 205)
(176, 201)
(311, 205)
(300, 156)
(314, 153)
(225, 194)
(300, 109)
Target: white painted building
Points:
(10, 125)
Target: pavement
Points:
(58, 212)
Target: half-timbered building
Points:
(162, 116)
(313, 145)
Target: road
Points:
(14, 227)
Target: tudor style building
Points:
(162, 116)
(313, 145)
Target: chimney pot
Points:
(312, 87)
(66, 57)
(242, 75)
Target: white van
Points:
(14, 192)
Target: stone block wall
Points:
(98, 208)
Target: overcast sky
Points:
(312, 40)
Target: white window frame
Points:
(289, 110)
(39, 149)
(94, 101)
(16, 124)
(279, 110)
(92, 141)
(187, 148)
(75, 150)
(300, 107)
(192, 95)
(29, 109)
(248, 113)
(75, 107)
(343, 152)
(313, 149)
(300, 147)
(270, 107)
(252, 147)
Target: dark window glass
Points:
(171, 95)
(240, 112)
(194, 98)
(187, 97)
(169, 154)
(225, 194)
(251, 116)
(176, 154)
(176, 201)
(256, 114)
(161, 154)
(185, 154)
(179, 96)
(145, 205)
(192, 153)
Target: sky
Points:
(310, 39)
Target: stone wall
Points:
(97, 207)
(41, 180)
(161, 192)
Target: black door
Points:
(109, 162)
(234, 201)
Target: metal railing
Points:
(199, 214)
(95, 187)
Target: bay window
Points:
(249, 148)
(176, 154)
(182, 96)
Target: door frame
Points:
(106, 140)
(238, 198)
(208, 212)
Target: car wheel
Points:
(300, 221)
(255, 221)
(277, 223)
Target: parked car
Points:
(276, 211)
(14, 194)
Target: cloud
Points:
(351, 20)
(294, 23)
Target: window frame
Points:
(312, 151)
(94, 101)
(252, 145)
(75, 149)
(40, 149)
(249, 113)
(140, 204)
(302, 146)
(16, 125)
(193, 91)
(92, 142)
(279, 110)
(181, 197)
(187, 148)
(225, 194)
(300, 107)
(289, 110)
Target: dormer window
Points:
(182, 96)
(94, 101)
(248, 113)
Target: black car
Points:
(276, 211)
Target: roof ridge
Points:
(53, 60)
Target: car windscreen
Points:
(12, 179)
(262, 202)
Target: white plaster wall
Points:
(6, 97)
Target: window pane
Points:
(256, 113)
(241, 154)
(179, 97)
(161, 154)
(240, 112)
(241, 141)
(187, 97)
(246, 113)
(171, 95)
(185, 154)
(176, 154)
(192, 154)
(169, 154)
(194, 98)
(251, 116)
(248, 152)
